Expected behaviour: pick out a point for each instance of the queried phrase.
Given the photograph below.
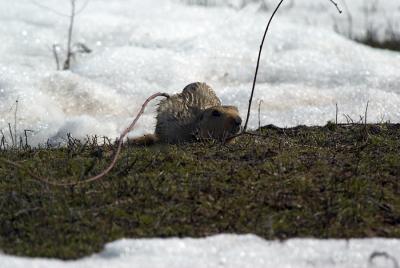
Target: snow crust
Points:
(232, 251)
(142, 47)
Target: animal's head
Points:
(219, 122)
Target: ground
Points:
(336, 181)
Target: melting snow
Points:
(230, 251)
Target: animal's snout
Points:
(238, 121)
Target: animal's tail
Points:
(145, 140)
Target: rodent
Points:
(194, 114)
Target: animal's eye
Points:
(216, 113)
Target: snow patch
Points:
(230, 251)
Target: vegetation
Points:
(371, 40)
(336, 181)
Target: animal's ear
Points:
(216, 113)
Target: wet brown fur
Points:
(193, 115)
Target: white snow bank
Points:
(230, 251)
(142, 47)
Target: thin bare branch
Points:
(259, 113)
(348, 119)
(337, 6)
(55, 54)
(258, 65)
(259, 57)
(67, 63)
(82, 8)
(11, 134)
(366, 113)
(365, 121)
(74, 12)
(3, 140)
(49, 9)
(15, 121)
(26, 136)
(82, 48)
(337, 112)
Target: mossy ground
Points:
(325, 182)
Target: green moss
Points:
(336, 181)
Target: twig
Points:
(348, 119)
(67, 62)
(103, 173)
(82, 8)
(259, 114)
(259, 57)
(365, 120)
(258, 64)
(26, 136)
(48, 8)
(337, 111)
(15, 122)
(366, 113)
(71, 16)
(3, 140)
(57, 12)
(106, 139)
(11, 134)
(21, 143)
(55, 54)
(82, 48)
(336, 5)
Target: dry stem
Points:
(258, 64)
(67, 62)
(15, 121)
(336, 5)
(55, 54)
(259, 57)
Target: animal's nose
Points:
(238, 121)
